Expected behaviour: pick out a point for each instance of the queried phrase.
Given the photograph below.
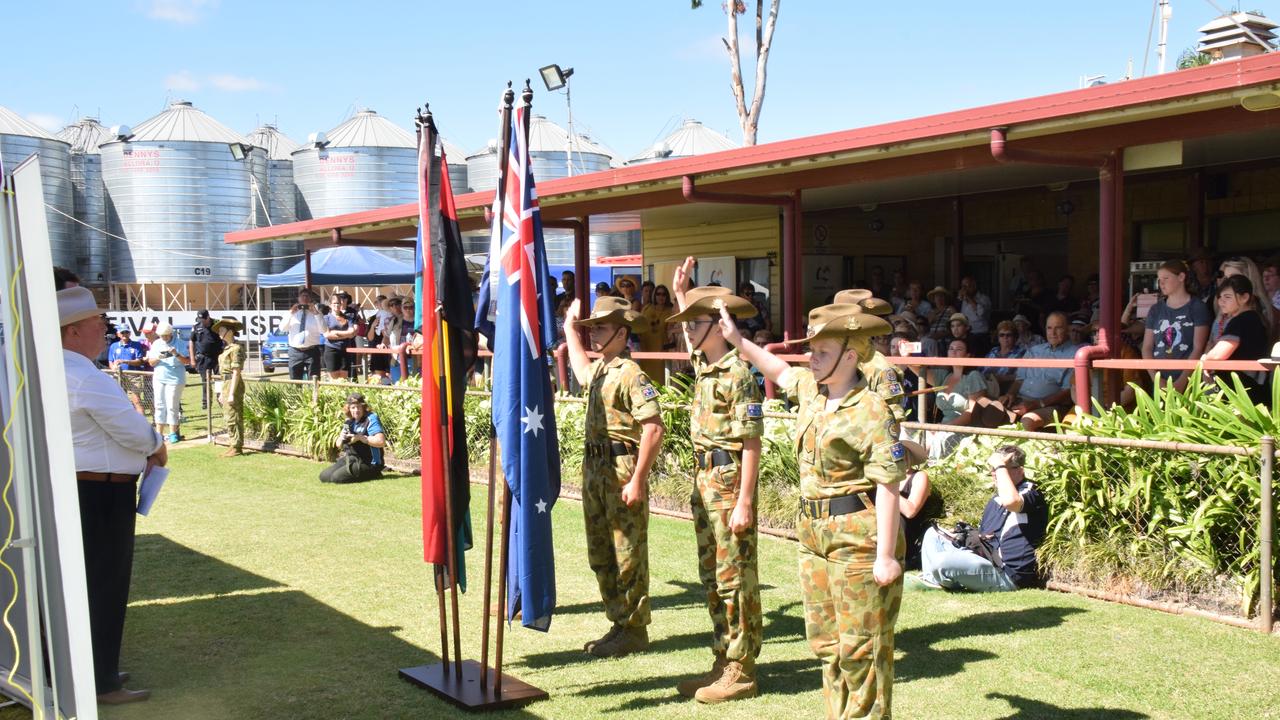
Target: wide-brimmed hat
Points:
(852, 296)
(958, 317)
(231, 324)
(76, 304)
(939, 289)
(609, 309)
(876, 306)
(1020, 318)
(991, 414)
(844, 320)
(708, 300)
(916, 454)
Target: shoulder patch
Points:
(898, 451)
(755, 410)
(649, 392)
(895, 388)
(893, 428)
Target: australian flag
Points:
(515, 311)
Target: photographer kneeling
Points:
(359, 444)
(1002, 556)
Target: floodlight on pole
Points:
(555, 78)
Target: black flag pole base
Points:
(466, 692)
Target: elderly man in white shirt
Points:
(305, 328)
(114, 444)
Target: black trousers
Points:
(107, 517)
(207, 367)
(350, 468)
(304, 364)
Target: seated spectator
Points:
(360, 445)
(1177, 326)
(759, 321)
(1246, 267)
(1271, 281)
(1244, 337)
(1063, 300)
(1027, 336)
(1079, 332)
(962, 386)
(976, 306)
(914, 302)
(1013, 525)
(1038, 393)
(1006, 348)
(938, 321)
(915, 493)
(1092, 301)
(961, 330)
(125, 353)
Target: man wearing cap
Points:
(962, 330)
(113, 445)
(231, 363)
(149, 335)
(125, 353)
(203, 348)
(623, 434)
(727, 422)
(883, 377)
(851, 544)
(305, 328)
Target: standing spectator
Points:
(1204, 284)
(379, 363)
(1243, 266)
(1245, 336)
(962, 330)
(603, 290)
(125, 353)
(939, 319)
(914, 494)
(1092, 301)
(875, 283)
(169, 377)
(898, 289)
(627, 289)
(1041, 392)
(1006, 348)
(339, 331)
(914, 302)
(760, 321)
(149, 336)
(1177, 327)
(1027, 336)
(231, 362)
(113, 445)
(1063, 300)
(1015, 519)
(976, 306)
(1020, 283)
(1037, 296)
(646, 295)
(656, 333)
(305, 328)
(203, 349)
(349, 310)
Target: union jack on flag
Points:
(515, 312)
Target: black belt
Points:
(831, 507)
(715, 458)
(613, 449)
(105, 477)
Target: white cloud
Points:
(181, 81)
(236, 83)
(52, 123)
(183, 12)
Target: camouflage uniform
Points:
(230, 362)
(849, 619)
(621, 397)
(726, 411)
(885, 379)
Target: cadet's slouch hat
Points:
(609, 309)
(840, 320)
(708, 300)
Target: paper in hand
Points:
(149, 488)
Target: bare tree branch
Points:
(752, 121)
(735, 64)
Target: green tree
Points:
(1192, 58)
(748, 117)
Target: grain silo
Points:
(281, 194)
(176, 184)
(458, 178)
(20, 139)
(89, 198)
(691, 138)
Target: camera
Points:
(166, 354)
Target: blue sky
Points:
(640, 66)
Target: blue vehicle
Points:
(275, 351)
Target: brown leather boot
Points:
(688, 687)
(607, 637)
(627, 641)
(736, 682)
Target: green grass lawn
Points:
(259, 592)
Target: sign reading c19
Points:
(202, 271)
(257, 323)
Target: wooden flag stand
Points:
(469, 684)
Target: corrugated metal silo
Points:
(20, 139)
(457, 167)
(281, 194)
(89, 198)
(691, 138)
(176, 185)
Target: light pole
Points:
(555, 78)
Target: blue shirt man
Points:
(126, 353)
(1043, 392)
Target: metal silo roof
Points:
(691, 138)
(85, 136)
(369, 129)
(11, 123)
(182, 122)
(454, 151)
(278, 145)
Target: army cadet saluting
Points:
(883, 377)
(231, 364)
(727, 422)
(851, 544)
(623, 434)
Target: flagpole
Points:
(440, 579)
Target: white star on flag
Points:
(533, 419)
(541, 505)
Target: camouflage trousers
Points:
(617, 539)
(233, 414)
(727, 566)
(848, 618)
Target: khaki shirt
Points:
(885, 379)
(847, 449)
(621, 397)
(231, 359)
(726, 403)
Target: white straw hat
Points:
(76, 304)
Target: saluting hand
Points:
(572, 313)
(729, 329)
(680, 282)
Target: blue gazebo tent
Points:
(343, 265)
